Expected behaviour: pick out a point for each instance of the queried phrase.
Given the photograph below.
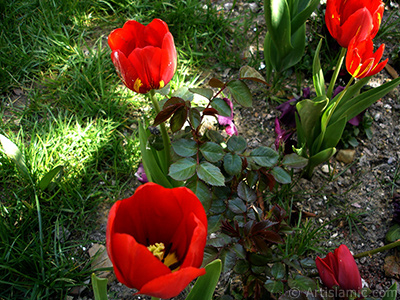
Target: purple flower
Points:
(337, 90)
(288, 110)
(283, 137)
(141, 175)
(357, 119)
(230, 127)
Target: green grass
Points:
(62, 104)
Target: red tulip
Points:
(346, 19)
(156, 238)
(339, 269)
(361, 61)
(144, 56)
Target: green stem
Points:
(164, 133)
(336, 73)
(155, 298)
(377, 250)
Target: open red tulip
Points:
(156, 238)
(144, 56)
(339, 269)
(347, 19)
(361, 61)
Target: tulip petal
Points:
(171, 285)
(359, 25)
(348, 274)
(196, 244)
(127, 38)
(133, 263)
(125, 69)
(155, 32)
(326, 273)
(168, 59)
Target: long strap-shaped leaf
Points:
(205, 285)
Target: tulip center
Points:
(167, 258)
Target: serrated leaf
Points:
(278, 271)
(207, 93)
(294, 161)
(241, 267)
(247, 72)
(236, 144)
(202, 192)
(48, 177)
(210, 254)
(240, 92)
(212, 151)
(169, 108)
(183, 169)
(264, 156)
(237, 206)
(210, 174)
(228, 258)
(222, 107)
(281, 176)
(216, 83)
(393, 233)
(302, 283)
(178, 119)
(232, 163)
(194, 117)
(184, 147)
(246, 193)
(274, 286)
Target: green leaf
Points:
(237, 206)
(178, 119)
(183, 169)
(206, 284)
(212, 151)
(194, 117)
(184, 147)
(318, 75)
(310, 112)
(228, 258)
(391, 293)
(210, 174)
(99, 287)
(320, 157)
(210, 254)
(302, 17)
(302, 283)
(13, 152)
(240, 92)
(237, 144)
(393, 233)
(264, 156)
(151, 164)
(281, 175)
(241, 267)
(48, 177)
(358, 104)
(232, 163)
(294, 161)
(222, 107)
(246, 193)
(202, 192)
(277, 18)
(334, 133)
(274, 286)
(278, 271)
(207, 93)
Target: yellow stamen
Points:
(379, 19)
(162, 84)
(136, 86)
(170, 260)
(158, 250)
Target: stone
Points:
(100, 260)
(346, 155)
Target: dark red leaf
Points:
(210, 111)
